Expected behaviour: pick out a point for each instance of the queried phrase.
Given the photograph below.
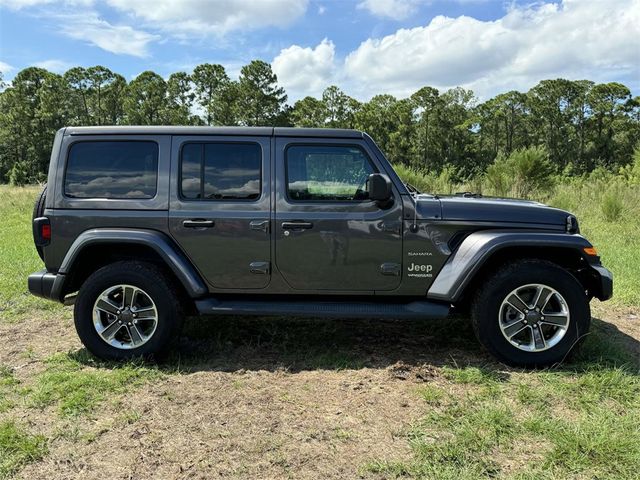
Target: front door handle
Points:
(262, 225)
(198, 223)
(296, 225)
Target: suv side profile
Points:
(140, 226)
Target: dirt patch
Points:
(319, 424)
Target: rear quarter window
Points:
(112, 169)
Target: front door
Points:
(328, 234)
(220, 208)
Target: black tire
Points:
(486, 311)
(38, 211)
(159, 286)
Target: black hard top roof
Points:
(243, 131)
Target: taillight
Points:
(45, 232)
(41, 231)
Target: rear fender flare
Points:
(174, 259)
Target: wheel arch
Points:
(98, 247)
(483, 253)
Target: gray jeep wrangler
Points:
(140, 226)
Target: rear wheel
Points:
(531, 313)
(127, 310)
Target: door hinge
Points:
(392, 269)
(259, 268)
(262, 225)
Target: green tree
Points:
(31, 110)
(180, 100)
(146, 100)
(609, 103)
(340, 109)
(260, 100)
(390, 122)
(427, 106)
(211, 88)
(114, 96)
(309, 112)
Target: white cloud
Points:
(79, 20)
(5, 67)
(20, 4)
(592, 39)
(118, 39)
(57, 66)
(199, 18)
(305, 71)
(395, 9)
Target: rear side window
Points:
(112, 169)
(327, 173)
(221, 171)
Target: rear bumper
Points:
(604, 290)
(46, 285)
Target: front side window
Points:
(112, 169)
(327, 173)
(220, 171)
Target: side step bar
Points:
(416, 309)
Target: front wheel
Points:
(531, 313)
(126, 310)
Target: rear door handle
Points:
(198, 223)
(296, 225)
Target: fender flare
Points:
(179, 264)
(477, 248)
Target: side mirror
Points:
(379, 188)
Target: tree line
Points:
(579, 125)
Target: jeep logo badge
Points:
(419, 270)
(414, 267)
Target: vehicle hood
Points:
(502, 210)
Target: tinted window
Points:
(112, 170)
(221, 171)
(327, 173)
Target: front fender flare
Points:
(478, 247)
(159, 242)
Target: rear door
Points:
(328, 234)
(220, 208)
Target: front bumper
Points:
(46, 285)
(604, 283)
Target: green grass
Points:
(564, 433)
(8, 383)
(18, 447)
(18, 257)
(78, 384)
(579, 421)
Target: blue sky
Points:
(363, 46)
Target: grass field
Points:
(300, 398)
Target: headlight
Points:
(572, 224)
